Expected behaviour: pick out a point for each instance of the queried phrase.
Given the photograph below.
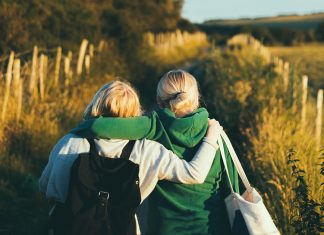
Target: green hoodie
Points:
(175, 208)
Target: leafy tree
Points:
(66, 22)
(186, 25)
(320, 31)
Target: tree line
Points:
(63, 22)
(268, 35)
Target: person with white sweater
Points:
(151, 160)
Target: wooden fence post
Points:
(319, 118)
(8, 82)
(41, 77)
(82, 52)
(66, 66)
(33, 71)
(101, 45)
(91, 50)
(57, 65)
(67, 70)
(45, 67)
(18, 89)
(87, 64)
(304, 101)
(70, 72)
(20, 98)
(280, 66)
(286, 76)
(149, 38)
(70, 55)
(16, 76)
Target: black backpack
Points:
(103, 196)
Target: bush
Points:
(246, 96)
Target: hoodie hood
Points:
(186, 131)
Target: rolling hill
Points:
(284, 21)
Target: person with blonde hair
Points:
(180, 126)
(115, 99)
(67, 182)
(178, 91)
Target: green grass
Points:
(308, 59)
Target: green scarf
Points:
(175, 208)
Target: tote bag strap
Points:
(235, 160)
(222, 150)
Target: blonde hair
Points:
(115, 99)
(178, 90)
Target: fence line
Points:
(164, 43)
(37, 71)
(40, 68)
(26, 52)
(282, 68)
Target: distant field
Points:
(294, 21)
(309, 59)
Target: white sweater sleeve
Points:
(55, 179)
(161, 163)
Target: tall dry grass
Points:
(247, 95)
(240, 88)
(308, 57)
(174, 47)
(26, 141)
(278, 132)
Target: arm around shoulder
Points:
(133, 128)
(170, 167)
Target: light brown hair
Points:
(115, 99)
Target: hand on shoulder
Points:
(214, 130)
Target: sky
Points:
(200, 10)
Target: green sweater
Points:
(175, 208)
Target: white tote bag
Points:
(256, 217)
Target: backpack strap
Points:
(127, 150)
(102, 204)
(92, 145)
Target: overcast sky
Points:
(200, 10)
